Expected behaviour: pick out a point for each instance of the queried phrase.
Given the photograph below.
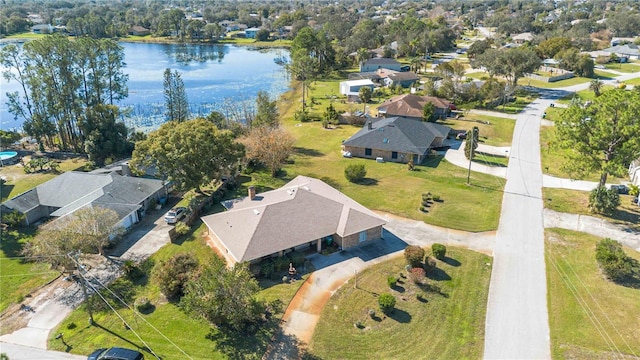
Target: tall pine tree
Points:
(175, 97)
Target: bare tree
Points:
(269, 146)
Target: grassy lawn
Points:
(19, 278)
(389, 186)
(576, 202)
(491, 160)
(195, 337)
(553, 113)
(626, 68)
(498, 131)
(553, 157)
(634, 82)
(19, 182)
(552, 85)
(604, 75)
(576, 286)
(584, 95)
(448, 324)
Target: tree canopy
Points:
(175, 96)
(603, 136)
(270, 146)
(192, 153)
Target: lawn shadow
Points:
(122, 338)
(438, 274)
(432, 288)
(432, 161)
(11, 244)
(307, 151)
(244, 345)
(398, 288)
(400, 316)
(368, 182)
(6, 190)
(450, 261)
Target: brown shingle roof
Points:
(302, 211)
(410, 105)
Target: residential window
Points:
(394, 154)
(362, 236)
(367, 152)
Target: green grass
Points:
(26, 35)
(479, 75)
(553, 113)
(634, 82)
(604, 75)
(498, 131)
(553, 157)
(552, 85)
(576, 286)
(195, 337)
(446, 325)
(19, 182)
(19, 278)
(576, 202)
(626, 68)
(583, 95)
(491, 160)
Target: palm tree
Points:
(362, 55)
(596, 86)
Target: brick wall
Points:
(352, 240)
(375, 153)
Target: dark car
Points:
(621, 189)
(115, 353)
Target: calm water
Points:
(223, 78)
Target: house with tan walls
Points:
(304, 214)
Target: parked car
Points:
(115, 353)
(174, 215)
(622, 189)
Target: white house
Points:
(351, 88)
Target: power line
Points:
(140, 316)
(120, 317)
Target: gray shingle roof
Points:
(381, 61)
(398, 134)
(302, 211)
(627, 49)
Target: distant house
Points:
(137, 30)
(128, 196)
(351, 88)
(306, 213)
(396, 139)
(251, 33)
(42, 29)
(630, 51)
(404, 79)
(520, 39)
(411, 106)
(380, 63)
(634, 172)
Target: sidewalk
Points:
(457, 157)
(493, 113)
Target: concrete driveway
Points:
(21, 352)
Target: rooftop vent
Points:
(306, 188)
(256, 211)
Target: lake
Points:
(223, 78)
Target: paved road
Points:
(517, 325)
(21, 352)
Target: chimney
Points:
(369, 125)
(252, 192)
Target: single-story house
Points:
(630, 51)
(380, 63)
(128, 196)
(411, 106)
(138, 30)
(396, 139)
(520, 39)
(251, 33)
(305, 213)
(351, 88)
(405, 79)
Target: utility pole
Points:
(83, 282)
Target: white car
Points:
(174, 215)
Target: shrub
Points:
(386, 302)
(430, 264)
(131, 270)
(615, 264)
(172, 275)
(436, 198)
(182, 228)
(372, 313)
(391, 281)
(355, 172)
(423, 209)
(301, 115)
(143, 304)
(281, 263)
(297, 258)
(439, 251)
(13, 218)
(426, 196)
(417, 275)
(267, 268)
(414, 255)
(603, 200)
